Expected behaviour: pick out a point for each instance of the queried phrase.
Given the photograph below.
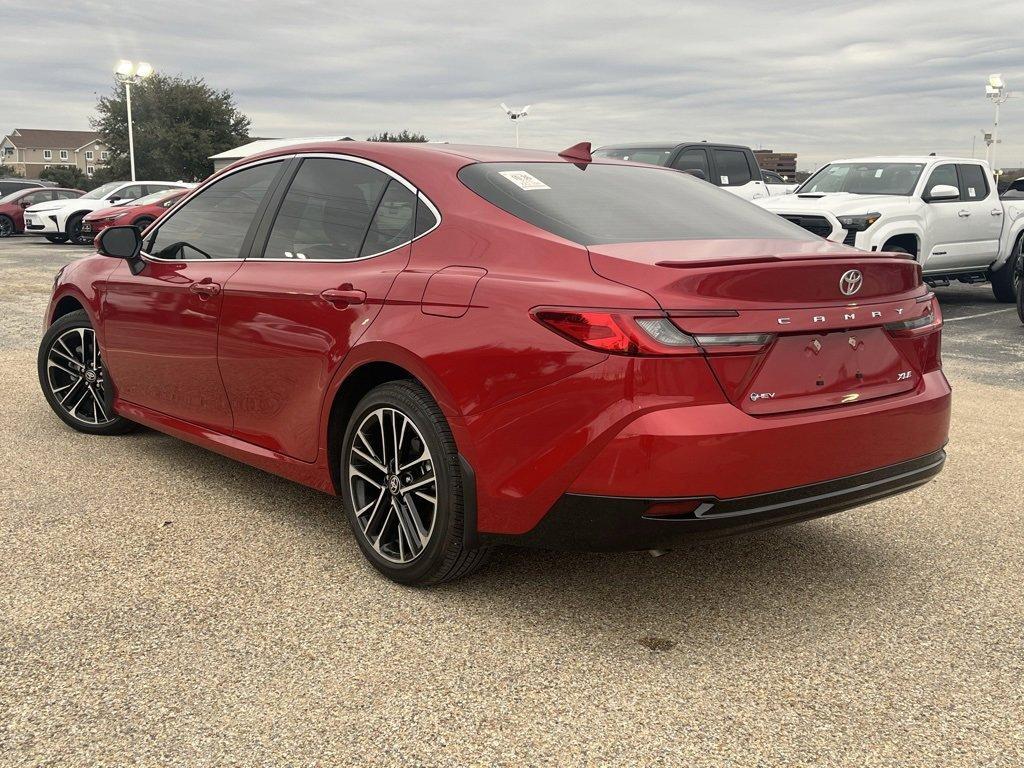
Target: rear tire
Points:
(142, 223)
(6, 226)
(73, 378)
(402, 487)
(1006, 280)
(57, 239)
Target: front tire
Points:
(402, 487)
(6, 226)
(1006, 280)
(1020, 287)
(74, 230)
(73, 378)
(142, 223)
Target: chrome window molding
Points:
(328, 155)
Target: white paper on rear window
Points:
(524, 180)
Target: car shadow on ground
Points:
(692, 593)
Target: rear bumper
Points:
(617, 523)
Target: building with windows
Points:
(783, 163)
(30, 151)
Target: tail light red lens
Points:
(921, 337)
(623, 334)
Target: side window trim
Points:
(257, 218)
(262, 234)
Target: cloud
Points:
(824, 80)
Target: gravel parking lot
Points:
(164, 605)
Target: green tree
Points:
(70, 176)
(404, 136)
(9, 172)
(177, 124)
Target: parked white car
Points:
(60, 221)
(945, 211)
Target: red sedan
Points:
(138, 213)
(474, 346)
(12, 206)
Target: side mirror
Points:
(697, 172)
(24, 204)
(120, 243)
(942, 192)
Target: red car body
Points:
(572, 430)
(13, 206)
(138, 213)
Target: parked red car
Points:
(13, 205)
(478, 345)
(138, 213)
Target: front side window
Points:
(42, 196)
(327, 211)
(731, 168)
(102, 191)
(864, 179)
(693, 159)
(596, 203)
(65, 194)
(974, 185)
(131, 192)
(943, 175)
(214, 223)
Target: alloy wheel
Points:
(392, 485)
(74, 373)
(6, 227)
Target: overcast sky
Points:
(824, 79)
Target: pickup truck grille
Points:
(819, 225)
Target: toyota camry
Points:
(473, 346)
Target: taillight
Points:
(624, 334)
(905, 326)
(920, 338)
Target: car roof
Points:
(669, 145)
(909, 159)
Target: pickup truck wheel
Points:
(1020, 293)
(1006, 280)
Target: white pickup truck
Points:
(943, 210)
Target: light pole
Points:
(515, 116)
(996, 91)
(131, 74)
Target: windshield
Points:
(650, 155)
(865, 179)
(103, 191)
(154, 197)
(593, 203)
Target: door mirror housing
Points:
(697, 172)
(942, 192)
(120, 243)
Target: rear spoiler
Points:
(699, 263)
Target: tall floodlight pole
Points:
(131, 74)
(996, 91)
(515, 116)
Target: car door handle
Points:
(344, 296)
(996, 212)
(963, 214)
(204, 289)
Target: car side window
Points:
(731, 168)
(943, 174)
(392, 223)
(327, 211)
(426, 219)
(975, 185)
(214, 223)
(693, 159)
(132, 192)
(151, 188)
(37, 197)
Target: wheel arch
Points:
(367, 366)
(909, 240)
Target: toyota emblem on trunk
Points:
(851, 282)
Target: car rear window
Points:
(594, 204)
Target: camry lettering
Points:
(875, 314)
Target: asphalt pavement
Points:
(163, 605)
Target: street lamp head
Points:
(996, 82)
(124, 68)
(143, 70)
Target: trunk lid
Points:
(826, 348)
